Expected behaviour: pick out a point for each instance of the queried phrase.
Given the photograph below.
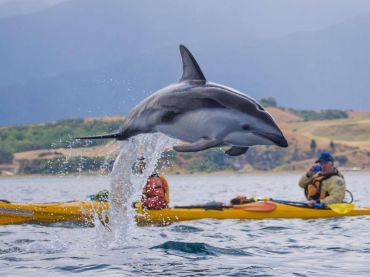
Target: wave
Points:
(199, 248)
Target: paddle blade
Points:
(342, 208)
(257, 207)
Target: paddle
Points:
(339, 208)
(253, 207)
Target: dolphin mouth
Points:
(279, 140)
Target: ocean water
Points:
(283, 247)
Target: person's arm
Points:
(306, 179)
(336, 190)
(153, 203)
(167, 190)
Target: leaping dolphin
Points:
(202, 113)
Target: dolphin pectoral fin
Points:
(236, 151)
(199, 145)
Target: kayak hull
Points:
(87, 212)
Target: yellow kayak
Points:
(77, 211)
(85, 212)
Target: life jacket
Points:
(155, 193)
(314, 190)
(240, 199)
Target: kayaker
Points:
(324, 183)
(156, 194)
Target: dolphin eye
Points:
(246, 127)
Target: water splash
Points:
(126, 185)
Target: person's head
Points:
(326, 162)
(141, 164)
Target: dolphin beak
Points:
(277, 139)
(281, 141)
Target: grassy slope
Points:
(351, 137)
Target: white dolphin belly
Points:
(244, 138)
(194, 125)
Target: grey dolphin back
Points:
(191, 69)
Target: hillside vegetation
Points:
(54, 135)
(49, 149)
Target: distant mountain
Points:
(90, 57)
(87, 34)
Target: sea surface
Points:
(283, 247)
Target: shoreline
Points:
(171, 173)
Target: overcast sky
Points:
(294, 50)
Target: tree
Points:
(268, 102)
(332, 146)
(313, 146)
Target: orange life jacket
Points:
(314, 190)
(155, 193)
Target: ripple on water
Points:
(81, 268)
(5, 233)
(274, 228)
(260, 250)
(62, 257)
(23, 241)
(198, 248)
(196, 268)
(186, 229)
(12, 259)
(10, 250)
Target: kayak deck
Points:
(282, 211)
(85, 212)
(78, 211)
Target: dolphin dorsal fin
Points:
(191, 69)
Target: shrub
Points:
(309, 115)
(211, 160)
(64, 166)
(268, 102)
(54, 135)
(6, 157)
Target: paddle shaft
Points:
(210, 207)
(253, 207)
(315, 205)
(220, 207)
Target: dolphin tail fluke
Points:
(191, 69)
(116, 136)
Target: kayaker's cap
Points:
(325, 157)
